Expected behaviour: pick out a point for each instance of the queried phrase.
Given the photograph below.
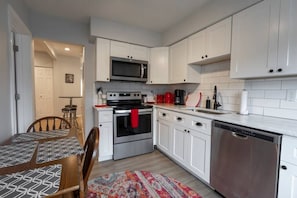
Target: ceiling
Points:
(154, 15)
(55, 49)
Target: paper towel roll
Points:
(243, 103)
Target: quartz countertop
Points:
(271, 124)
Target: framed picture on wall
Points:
(69, 78)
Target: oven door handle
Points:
(129, 111)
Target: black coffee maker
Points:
(179, 97)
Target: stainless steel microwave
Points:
(128, 69)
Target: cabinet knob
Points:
(188, 131)
(206, 56)
(100, 125)
(163, 114)
(151, 81)
(284, 167)
(185, 130)
(179, 118)
(270, 71)
(198, 124)
(131, 57)
(202, 57)
(107, 78)
(279, 70)
(128, 56)
(184, 80)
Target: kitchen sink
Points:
(209, 111)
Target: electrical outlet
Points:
(292, 95)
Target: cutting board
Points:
(192, 99)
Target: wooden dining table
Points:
(70, 163)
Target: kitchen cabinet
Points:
(263, 40)
(159, 65)
(186, 139)
(210, 45)
(179, 70)
(126, 50)
(104, 120)
(102, 60)
(287, 186)
(164, 136)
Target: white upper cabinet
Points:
(179, 70)
(210, 45)
(264, 42)
(159, 65)
(126, 50)
(102, 60)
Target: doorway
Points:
(58, 76)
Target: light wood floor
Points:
(155, 162)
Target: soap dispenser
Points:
(207, 103)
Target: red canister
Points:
(168, 98)
(160, 98)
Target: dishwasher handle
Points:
(239, 136)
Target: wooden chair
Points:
(91, 154)
(49, 123)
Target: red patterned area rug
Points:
(141, 184)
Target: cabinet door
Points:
(287, 186)
(250, 41)
(159, 66)
(197, 47)
(139, 52)
(179, 152)
(164, 136)
(119, 49)
(102, 60)
(287, 52)
(199, 154)
(178, 62)
(218, 39)
(105, 141)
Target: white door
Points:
(44, 105)
(23, 82)
(179, 141)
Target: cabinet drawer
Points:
(105, 116)
(179, 118)
(289, 149)
(163, 114)
(200, 124)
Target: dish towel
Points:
(134, 118)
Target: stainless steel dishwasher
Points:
(244, 161)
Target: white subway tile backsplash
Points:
(265, 102)
(266, 84)
(289, 84)
(282, 113)
(288, 105)
(256, 93)
(276, 94)
(256, 110)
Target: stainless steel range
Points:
(130, 139)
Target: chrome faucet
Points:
(216, 104)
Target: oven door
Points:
(123, 132)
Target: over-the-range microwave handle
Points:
(142, 70)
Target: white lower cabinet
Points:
(287, 186)
(104, 121)
(185, 139)
(164, 136)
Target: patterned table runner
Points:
(58, 149)
(40, 135)
(32, 183)
(15, 154)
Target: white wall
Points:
(69, 65)
(116, 31)
(269, 97)
(209, 14)
(57, 29)
(5, 104)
